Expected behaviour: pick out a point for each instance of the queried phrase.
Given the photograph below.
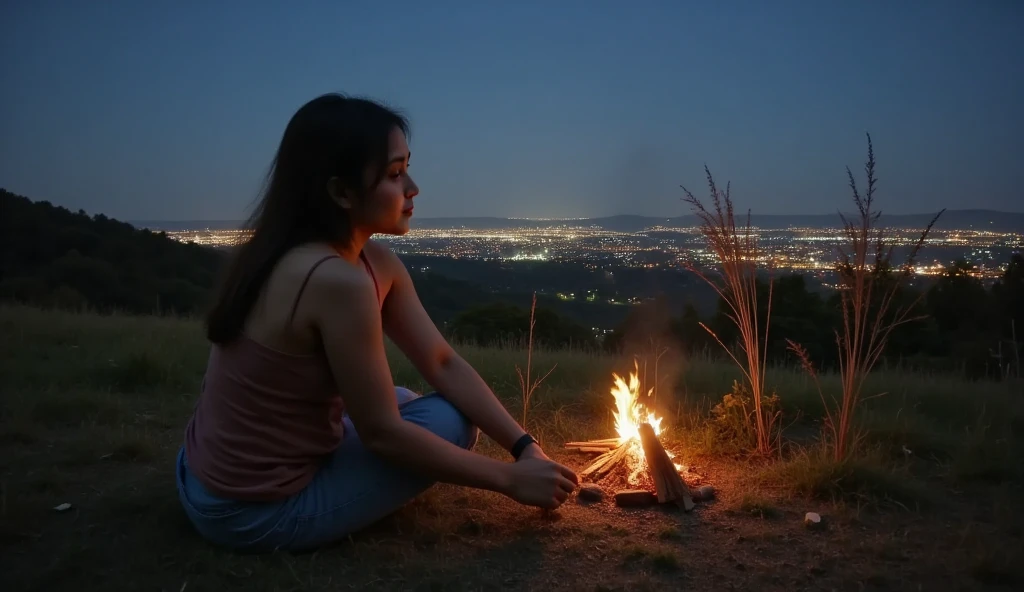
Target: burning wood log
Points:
(594, 445)
(667, 482)
(604, 464)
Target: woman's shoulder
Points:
(385, 263)
(329, 279)
(380, 254)
(317, 271)
(308, 262)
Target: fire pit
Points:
(637, 447)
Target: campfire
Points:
(637, 447)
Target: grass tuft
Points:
(658, 558)
(138, 371)
(664, 560)
(670, 533)
(863, 479)
(757, 505)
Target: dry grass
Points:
(527, 387)
(869, 287)
(738, 254)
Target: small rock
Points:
(704, 493)
(591, 492)
(633, 498)
(812, 520)
(63, 507)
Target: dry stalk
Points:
(868, 288)
(524, 382)
(808, 366)
(659, 351)
(738, 253)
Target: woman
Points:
(299, 436)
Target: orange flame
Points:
(629, 413)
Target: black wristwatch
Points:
(521, 444)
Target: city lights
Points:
(806, 250)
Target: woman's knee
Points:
(404, 395)
(437, 414)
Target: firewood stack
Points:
(594, 445)
(604, 464)
(669, 486)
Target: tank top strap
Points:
(369, 268)
(302, 288)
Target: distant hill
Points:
(52, 256)
(992, 220)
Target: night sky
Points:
(148, 110)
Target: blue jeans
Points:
(352, 489)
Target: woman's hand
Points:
(541, 482)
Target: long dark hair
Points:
(330, 136)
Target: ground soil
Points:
(125, 531)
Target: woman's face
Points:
(387, 208)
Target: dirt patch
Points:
(125, 530)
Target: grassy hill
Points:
(54, 257)
(94, 409)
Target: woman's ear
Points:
(339, 194)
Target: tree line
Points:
(52, 256)
(958, 324)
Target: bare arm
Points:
(353, 339)
(412, 330)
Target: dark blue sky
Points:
(172, 110)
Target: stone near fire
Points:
(635, 498)
(704, 493)
(812, 520)
(591, 493)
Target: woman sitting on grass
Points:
(299, 436)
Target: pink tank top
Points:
(264, 419)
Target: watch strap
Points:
(521, 444)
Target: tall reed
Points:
(738, 253)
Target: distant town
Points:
(805, 249)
